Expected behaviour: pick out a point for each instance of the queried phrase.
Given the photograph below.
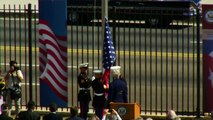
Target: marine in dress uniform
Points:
(84, 96)
(118, 87)
(99, 97)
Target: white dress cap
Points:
(116, 70)
(97, 71)
(171, 114)
(85, 65)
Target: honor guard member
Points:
(118, 87)
(98, 98)
(84, 96)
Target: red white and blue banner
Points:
(53, 52)
(207, 20)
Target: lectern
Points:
(127, 111)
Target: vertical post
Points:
(114, 29)
(30, 48)
(198, 62)
(4, 26)
(114, 25)
(104, 9)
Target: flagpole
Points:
(30, 50)
(104, 9)
(198, 63)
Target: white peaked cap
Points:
(149, 118)
(84, 65)
(116, 70)
(171, 114)
(97, 71)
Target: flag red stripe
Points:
(57, 71)
(56, 52)
(42, 62)
(62, 38)
(56, 80)
(43, 22)
(105, 77)
(41, 69)
(59, 62)
(56, 48)
(42, 51)
(41, 32)
(41, 41)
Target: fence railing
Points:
(158, 51)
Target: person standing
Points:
(118, 87)
(13, 80)
(98, 98)
(84, 96)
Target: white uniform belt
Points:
(84, 89)
(98, 94)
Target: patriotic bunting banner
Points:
(53, 52)
(207, 19)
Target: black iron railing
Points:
(158, 51)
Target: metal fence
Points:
(158, 51)
(18, 29)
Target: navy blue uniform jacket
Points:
(118, 91)
(84, 82)
(98, 87)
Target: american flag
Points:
(108, 53)
(53, 60)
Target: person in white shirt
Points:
(13, 80)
